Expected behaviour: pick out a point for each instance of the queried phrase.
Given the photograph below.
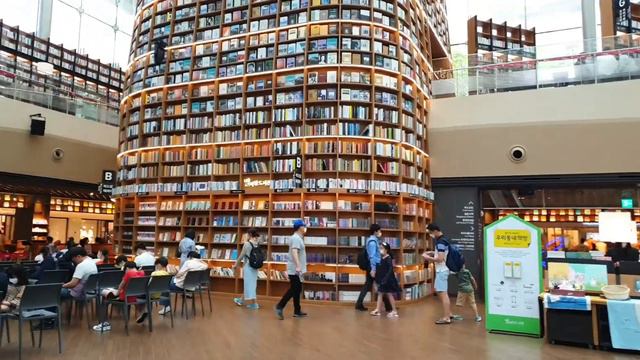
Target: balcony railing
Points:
(56, 99)
(612, 59)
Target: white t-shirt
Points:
(82, 272)
(145, 259)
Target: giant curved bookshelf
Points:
(263, 112)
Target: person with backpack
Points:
(446, 259)
(253, 258)
(368, 260)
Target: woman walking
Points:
(249, 273)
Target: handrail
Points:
(80, 108)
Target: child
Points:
(18, 279)
(131, 271)
(386, 281)
(466, 286)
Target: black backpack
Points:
(455, 260)
(256, 256)
(363, 258)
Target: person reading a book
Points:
(144, 257)
(18, 280)
(296, 267)
(85, 267)
(131, 271)
(249, 274)
(193, 263)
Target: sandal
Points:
(443, 322)
(375, 313)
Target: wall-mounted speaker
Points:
(37, 124)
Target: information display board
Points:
(513, 276)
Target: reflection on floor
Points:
(330, 332)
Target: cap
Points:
(298, 223)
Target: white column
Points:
(589, 25)
(43, 30)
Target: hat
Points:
(297, 224)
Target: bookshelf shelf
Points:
(339, 87)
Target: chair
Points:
(148, 269)
(106, 267)
(3, 320)
(205, 285)
(158, 284)
(191, 286)
(54, 277)
(136, 287)
(90, 294)
(38, 299)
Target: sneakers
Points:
(105, 326)
(457, 318)
(300, 314)
(393, 315)
(165, 310)
(141, 318)
(478, 318)
(279, 314)
(253, 306)
(238, 301)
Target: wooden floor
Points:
(330, 332)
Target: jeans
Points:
(366, 288)
(295, 290)
(167, 301)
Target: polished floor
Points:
(330, 332)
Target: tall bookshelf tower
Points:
(257, 113)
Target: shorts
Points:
(441, 283)
(466, 298)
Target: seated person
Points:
(103, 257)
(121, 260)
(85, 267)
(193, 263)
(18, 280)
(47, 263)
(131, 271)
(143, 257)
(161, 267)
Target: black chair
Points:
(109, 279)
(205, 285)
(39, 299)
(90, 296)
(158, 285)
(135, 288)
(106, 267)
(54, 277)
(191, 285)
(3, 321)
(148, 269)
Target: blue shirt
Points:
(373, 251)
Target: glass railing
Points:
(56, 99)
(608, 59)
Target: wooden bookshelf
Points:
(74, 73)
(492, 42)
(211, 137)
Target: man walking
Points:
(441, 283)
(373, 252)
(296, 266)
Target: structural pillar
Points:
(45, 8)
(589, 25)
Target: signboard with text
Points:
(513, 276)
(108, 182)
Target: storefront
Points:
(566, 208)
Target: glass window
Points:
(97, 39)
(125, 17)
(21, 13)
(122, 46)
(65, 25)
(105, 10)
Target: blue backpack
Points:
(455, 259)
